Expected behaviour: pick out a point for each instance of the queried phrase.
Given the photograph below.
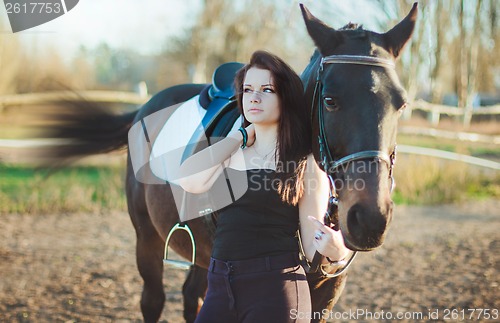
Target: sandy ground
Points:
(81, 268)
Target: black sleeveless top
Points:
(259, 223)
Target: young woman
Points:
(254, 274)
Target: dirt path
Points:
(81, 267)
(434, 259)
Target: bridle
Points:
(331, 165)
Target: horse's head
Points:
(356, 100)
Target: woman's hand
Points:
(251, 135)
(329, 242)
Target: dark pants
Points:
(269, 289)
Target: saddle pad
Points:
(175, 135)
(158, 143)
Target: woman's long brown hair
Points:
(294, 128)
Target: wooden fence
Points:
(446, 134)
(442, 154)
(13, 144)
(73, 96)
(434, 111)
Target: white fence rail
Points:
(138, 98)
(434, 111)
(455, 135)
(135, 98)
(75, 96)
(414, 150)
(33, 143)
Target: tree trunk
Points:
(472, 63)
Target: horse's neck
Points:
(309, 73)
(309, 76)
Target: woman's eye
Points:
(330, 104)
(247, 90)
(268, 90)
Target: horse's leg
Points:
(150, 264)
(193, 290)
(325, 292)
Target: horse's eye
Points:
(330, 104)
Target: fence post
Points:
(407, 113)
(467, 116)
(142, 89)
(434, 117)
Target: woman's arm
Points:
(313, 203)
(199, 171)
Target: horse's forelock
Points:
(352, 26)
(353, 31)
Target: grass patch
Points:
(475, 149)
(425, 180)
(419, 180)
(73, 189)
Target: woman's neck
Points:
(266, 136)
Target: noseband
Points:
(331, 165)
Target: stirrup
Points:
(181, 264)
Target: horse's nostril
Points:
(367, 226)
(353, 223)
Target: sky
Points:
(145, 25)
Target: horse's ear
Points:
(398, 36)
(324, 36)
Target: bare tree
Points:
(441, 22)
(229, 31)
(488, 72)
(454, 48)
(410, 66)
(10, 61)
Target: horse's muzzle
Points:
(366, 227)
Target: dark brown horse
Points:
(355, 100)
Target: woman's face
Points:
(261, 104)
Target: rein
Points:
(331, 165)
